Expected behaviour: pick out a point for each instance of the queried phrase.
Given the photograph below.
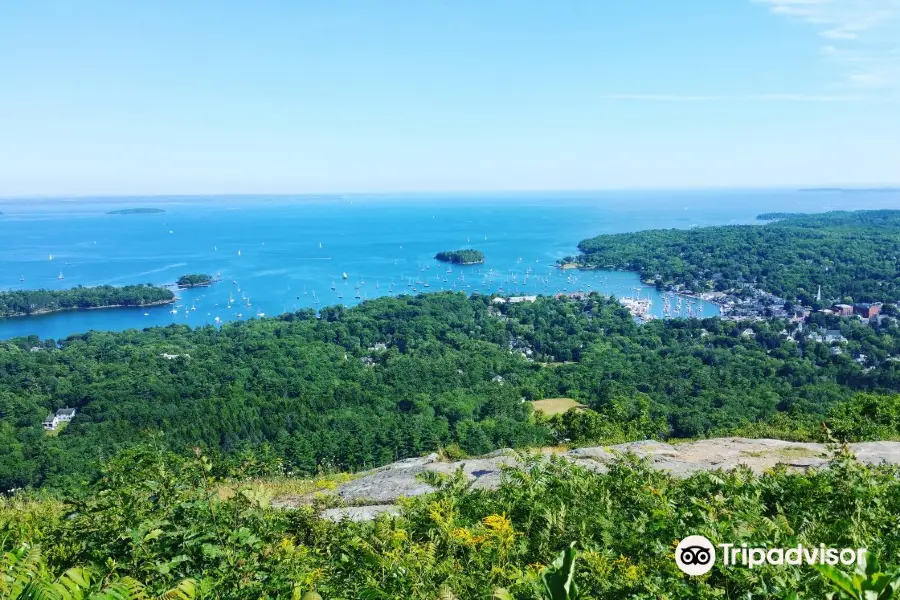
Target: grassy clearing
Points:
(555, 406)
(787, 453)
(290, 488)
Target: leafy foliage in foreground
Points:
(866, 582)
(161, 519)
(852, 255)
(24, 576)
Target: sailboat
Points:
(320, 245)
(51, 257)
(333, 287)
(344, 275)
(239, 252)
(22, 279)
(60, 275)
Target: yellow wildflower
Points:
(499, 524)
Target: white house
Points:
(63, 415)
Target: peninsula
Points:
(136, 211)
(38, 302)
(847, 257)
(460, 257)
(194, 280)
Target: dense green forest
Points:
(27, 302)
(460, 257)
(194, 280)
(852, 255)
(456, 370)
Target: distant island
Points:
(460, 257)
(194, 280)
(840, 190)
(136, 211)
(774, 216)
(38, 302)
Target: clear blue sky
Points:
(202, 96)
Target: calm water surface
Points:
(277, 254)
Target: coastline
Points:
(48, 311)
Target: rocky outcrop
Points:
(379, 489)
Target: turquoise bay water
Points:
(384, 243)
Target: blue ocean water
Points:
(276, 253)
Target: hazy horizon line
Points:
(887, 187)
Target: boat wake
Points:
(142, 273)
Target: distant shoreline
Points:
(48, 311)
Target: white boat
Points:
(146, 314)
(260, 314)
(344, 275)
(320, 245)
(217, 319)
(174, 311)
(51, 257)
(60, 275)
(240, 315)
(239, 252)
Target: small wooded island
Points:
(136, 211)
(194, 280)
(460, 257)
(38, 302)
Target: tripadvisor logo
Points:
(696, 555)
